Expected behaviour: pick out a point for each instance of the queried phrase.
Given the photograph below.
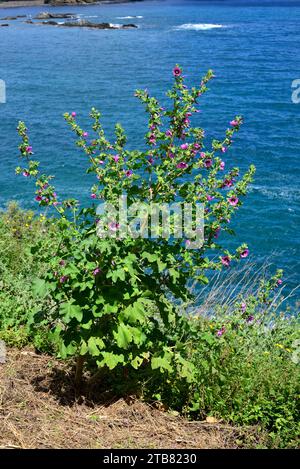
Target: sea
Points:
(253, 48)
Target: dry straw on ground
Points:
(39, 408)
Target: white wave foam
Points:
(115, 25)
(199, 26)
(128, 17)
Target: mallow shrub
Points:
(113, 299)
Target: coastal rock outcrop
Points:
(45, 15)
(87, 24)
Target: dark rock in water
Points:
(5, 24)
(28, 21)
(50, 16)
(51, 23)
(88, 24)
(11, 18)
(125, 26)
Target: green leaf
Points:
(137, 362)
(134, 313)
(174, 274)
(111, 360)
(161, 265)
(70, 311)
(123, 336)
(40, 288)
(95, 345)
(117, 274)
(163, 363)
(208, 338)
(150, 257)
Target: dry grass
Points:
(39, 408)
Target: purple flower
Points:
(171, 155)
(197, 146)
(245, 253)
(96, 271)
(128, 173)
(279, 281)
(234, 123)
(152, 139)
(225, 261)
(62, 262)
(38, 198)
(63, 279)
(181, 165)
(169, 133)
(243, 307)
(250, 318)
(93, 196)
(101, 162)
(113, 226)
(73, 114)
(208, 163)
(209, 197)
(234, 201)
(202, 154)
(222, 165)
(223, 149)
(221, 331)
(227, 183)
(26, 174)
(85, 134)
(151, 160)
(184, 146)
(177, 71)
(28, 149)
(116, 158)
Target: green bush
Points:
(113, 295)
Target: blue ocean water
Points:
(254, 51)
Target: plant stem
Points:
(79, 369)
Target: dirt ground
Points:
(40, 409)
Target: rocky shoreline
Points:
(86, 24)
(53, 3)
(72, 21)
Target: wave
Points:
(291, 194)
(199, 26)
(128, 17)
